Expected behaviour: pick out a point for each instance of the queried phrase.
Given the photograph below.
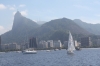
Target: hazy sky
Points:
(46, 10)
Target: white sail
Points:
(70, 43)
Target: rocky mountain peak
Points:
(17, 14)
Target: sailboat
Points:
(29, 50)
(71, 46)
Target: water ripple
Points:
(85, 57)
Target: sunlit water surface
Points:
(85, 57)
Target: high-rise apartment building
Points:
(33, 42)
(86, 42)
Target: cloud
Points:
(22, 5)
(82, 7)
(1, 28)
(11, 8)
(2, 7)
(24, 13)
(35, 20)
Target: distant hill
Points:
(22, 23)
(59, 28)
(24, 28)
(62, 24)
(20, 30)
(92, 28)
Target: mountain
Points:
(59, 27)
(20, 30)
(21, 23)
(92, 28)
(24, 28)
(62, 24)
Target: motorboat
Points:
(48, 50)
(29, 52)
(18, 51)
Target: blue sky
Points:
(46, 10)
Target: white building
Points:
(50, 43)
(24, 45)
(65, 45)
(14, 46)
(4, 46)
(57, 44)
(98, 42)
(77, 44)
(43, 44)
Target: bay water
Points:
(84, 57)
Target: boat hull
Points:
(77, 48)
(48, 50)
(70, 52)
(30, 52)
